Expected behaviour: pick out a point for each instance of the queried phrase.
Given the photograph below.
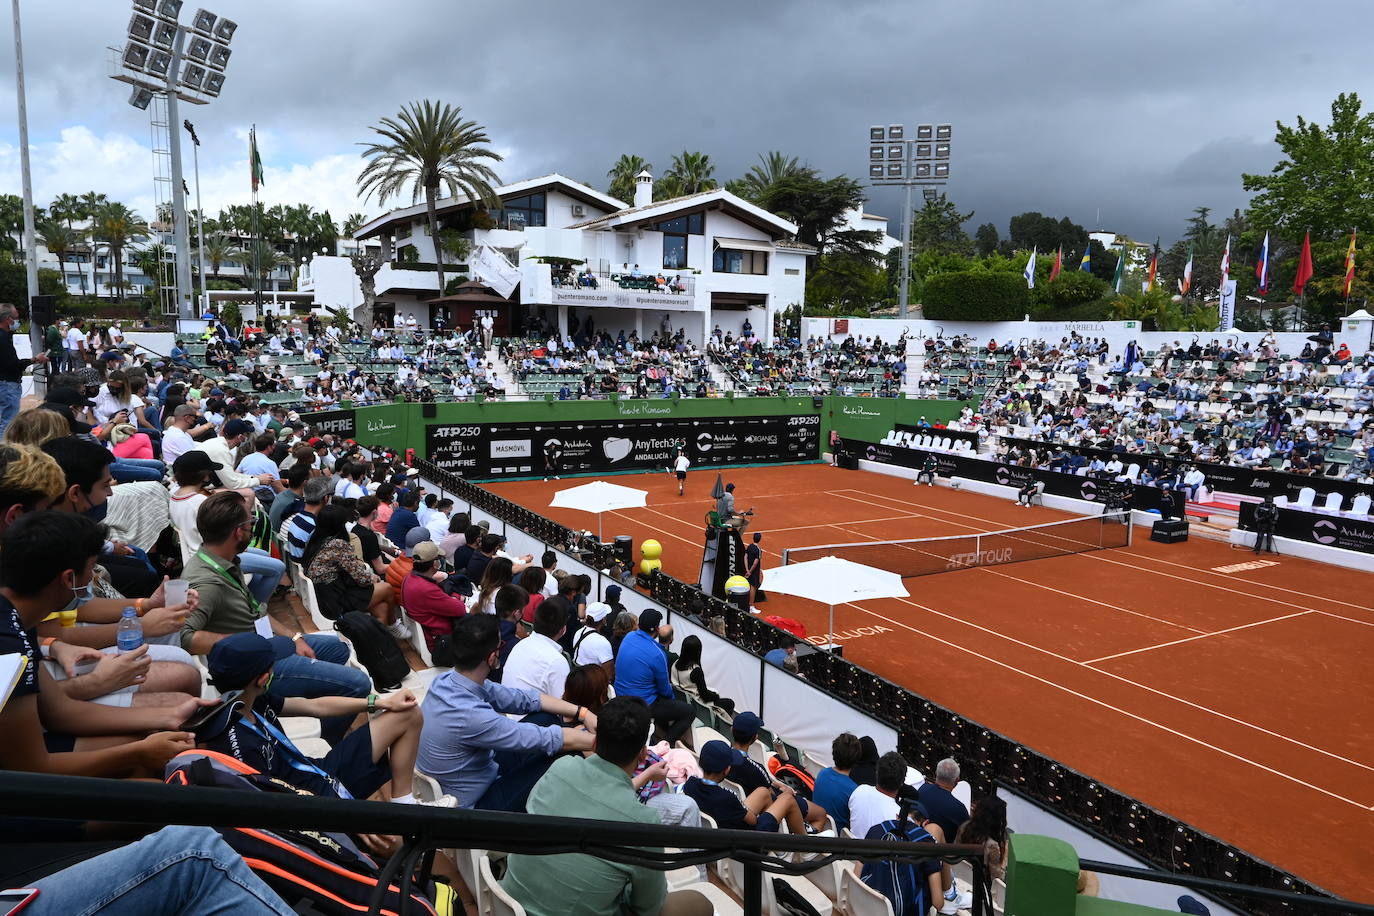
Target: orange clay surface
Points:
(1237, 702)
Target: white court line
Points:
(1125, 680)
(1105, 705)
(1163, 645)
(1090, 699)
(1097, 556)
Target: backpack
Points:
(330, 871)
(376, 649)
(792, 776)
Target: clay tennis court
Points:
(1236, 700)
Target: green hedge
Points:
(975, 295)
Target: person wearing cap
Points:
(590, 645)
(400, 566)
(641, 670)
(221, 450)
(759, 810)
(426, 603)
(403, 517)
(751, 775)
(248, 727)
(1187, 903)
(612, 597)
(466, 726)
(227, 607)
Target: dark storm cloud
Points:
(1143, 112)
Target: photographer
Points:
(1266, 519)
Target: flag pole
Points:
(257, 228)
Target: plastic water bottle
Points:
(129, 636)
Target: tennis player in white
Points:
(680, 465)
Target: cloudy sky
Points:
(1140, 111)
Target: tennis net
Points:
(924, 556)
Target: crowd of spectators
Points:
(857, 365)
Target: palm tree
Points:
(426, 147)
(116, 225)
(690, 173)
(774, 167)
(353, 222)
(59, 238)
(259, 256)
(217, 250)
(66, 207)
(623, 173)
(299, 221)
(11, 221)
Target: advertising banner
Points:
(342, 423)
(1317, 528)
(598, 446)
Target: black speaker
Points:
(818, 403)
(427, 410)
(43, 310)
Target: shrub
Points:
(975, 295)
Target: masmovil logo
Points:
(1325, 531)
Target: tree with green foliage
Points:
(986, 239)
(690, 173)
(773, 167)
(352, 223)
(429, 146)
(1034, 230)
(939, 227)
(845, 283)
(1072, 289)
(117, 227)
(59, 238)
(975, 295)
(622, 176)
(818, 207)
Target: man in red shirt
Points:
(425, 602)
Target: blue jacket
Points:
(641, 668)
(399, 525)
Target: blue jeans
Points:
(10, 392)
(325, 675)
(267, 571)
(176, 870)
(126, 470)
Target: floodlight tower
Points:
(157, 61)
(922, 161)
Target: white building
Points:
(722, 259)
(856, 219)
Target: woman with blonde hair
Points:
(37, 426)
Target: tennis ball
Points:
(650, 549)
(736, 582)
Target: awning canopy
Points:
(744, 244)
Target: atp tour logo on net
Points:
(980, 558)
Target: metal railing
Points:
(425, 829)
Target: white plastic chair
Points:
(1333, 502)
(1306, 496)
(502, 903)
(1361, 504)
(858, 899)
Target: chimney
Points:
(644, 189)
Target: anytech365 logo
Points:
(1324, 532)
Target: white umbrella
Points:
(832, 581)
(599, 497)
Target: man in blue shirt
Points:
(834, 785)
(938, 800)
(404, 517)
(479, 756)
(641, 670)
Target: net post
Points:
(1130, 526)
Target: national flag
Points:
(1087, 263)
(1262, 268)
(1058, 262)
(1304, 265)
(1186, 283)
(1226, 262)
(1350, 264)
(1154, 269)
(1120, 270)
(1029, 272)
(254, 160)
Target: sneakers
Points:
(960, 901)
(754, 610)
(443, 801)
(400, 629)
